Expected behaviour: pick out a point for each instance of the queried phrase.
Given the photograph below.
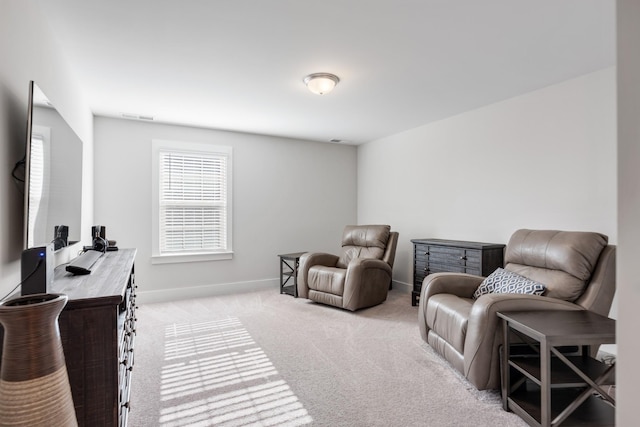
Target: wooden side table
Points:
(288, 270)
(546, 386)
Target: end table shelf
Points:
(289, 270)
(554, 382)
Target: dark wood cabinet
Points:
(97, 328)
(437, 256)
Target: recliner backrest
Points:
(598, 296)
(390, 253)
(363, 241)
(563, 261)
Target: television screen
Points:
(53, 176)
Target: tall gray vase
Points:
(34, 385)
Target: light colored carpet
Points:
(265, 359)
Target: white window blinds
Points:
(193, 197)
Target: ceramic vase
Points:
(34, 385)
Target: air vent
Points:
(136, 117)
(336, 141)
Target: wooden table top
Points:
(562, 327)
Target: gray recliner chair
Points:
(360, 277)
(577, 268)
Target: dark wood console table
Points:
(547, 386)
(98, 327)
(98, 332)
(437, 256)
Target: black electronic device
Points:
(60, 236)
(99, 231)
(99, 236)
(37, 266)
(82, 263)
(99, 244)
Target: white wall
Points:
(29, 52)
(546, 159)
(628, 373)
(288, 196)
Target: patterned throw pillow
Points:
(504, 281)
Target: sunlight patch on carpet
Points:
(206, 337)
(215, 374)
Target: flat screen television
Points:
(53, 176)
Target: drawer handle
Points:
(463, 258)
(426, 253)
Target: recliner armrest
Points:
(358, 268)
(319, 258)
(459, 284)
(307, 261)
(484, 334)
(366, 283)
(369, 263)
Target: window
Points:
(191, 202)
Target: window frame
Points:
(182, 147)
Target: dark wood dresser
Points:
(98, 327)
(437, 255)
(98, 332)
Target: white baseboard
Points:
(174, 294)
(402, 286)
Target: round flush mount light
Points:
(321, 83)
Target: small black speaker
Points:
(60, 236)
(99, 235)
(99, 231)
(37, 266)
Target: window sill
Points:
(178, 258)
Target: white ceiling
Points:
(239, 64)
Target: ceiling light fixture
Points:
(321, 83)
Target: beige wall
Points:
(546, 159)
(288, 196)
(28, 52)
(628, 373)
